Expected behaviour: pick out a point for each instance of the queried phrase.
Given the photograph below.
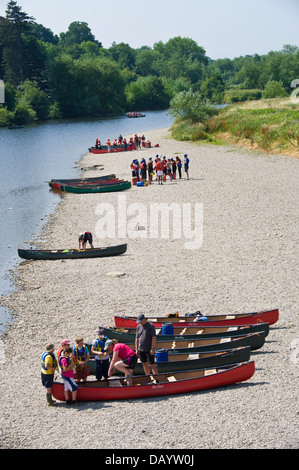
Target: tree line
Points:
(72, 75)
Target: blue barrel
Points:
(167, 329)
(161, 355)
(202, 318)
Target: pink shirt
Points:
(123, 350)
(69, 373)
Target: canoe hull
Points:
(206, 360)
(104, 149)
(99, 391)
(72, 254)
(267, 316)
(96, 189)
(254, 340)
(82, 180)
(203, 331)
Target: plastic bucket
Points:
(161, 355)
(167, 329)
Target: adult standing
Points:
(102, 357)
(179, 165)
(145, 344)
(159, 168)
(186, 165)
(83, 239)
(173, 165)
(150, 168)
(124, 359)
(49, 365)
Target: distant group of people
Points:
(162, 167)
(133, 143)
(73, 361)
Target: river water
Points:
(29, 158)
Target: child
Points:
(66, 363)
(49, 365)
(102, 358)
(81, 359)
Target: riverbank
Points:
(265, 125)
(246, 263)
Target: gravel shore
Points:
(246, 262)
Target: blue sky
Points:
(224, 28)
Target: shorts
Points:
(159, 173)
(130, 361)
(47, 380)
(87, 238)
(145, 356)
(69, 384)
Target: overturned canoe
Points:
(91, 180)
(84, 180)
(186, 361)
(170, 383)
(124, 335)
(73, 253)
(84, 184)
(266, 316)
(121, 186)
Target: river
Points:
(29, 158)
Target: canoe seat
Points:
(115, 383)
(210, 371)
(171, 378)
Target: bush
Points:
(6, 117)
(189, 106)
(23, 113)
(274, 89)
(237, 95)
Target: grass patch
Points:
(267, 125)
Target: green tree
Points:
(189, 106)
(23, 55)
(123, 54)
(147, 93)
(36, 98)
(77, 32)
(274, 90)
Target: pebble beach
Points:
(246, 260)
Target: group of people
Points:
(163, 167)
(73, 362)
(133, 142)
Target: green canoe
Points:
(186, 361)
(97, 189)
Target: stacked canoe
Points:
(100, 184)
(193, 352)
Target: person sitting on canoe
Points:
(124, 359)
(83, 239)
(98, 144)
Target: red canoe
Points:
(104, 149)
(267, 316)
(172, 383)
